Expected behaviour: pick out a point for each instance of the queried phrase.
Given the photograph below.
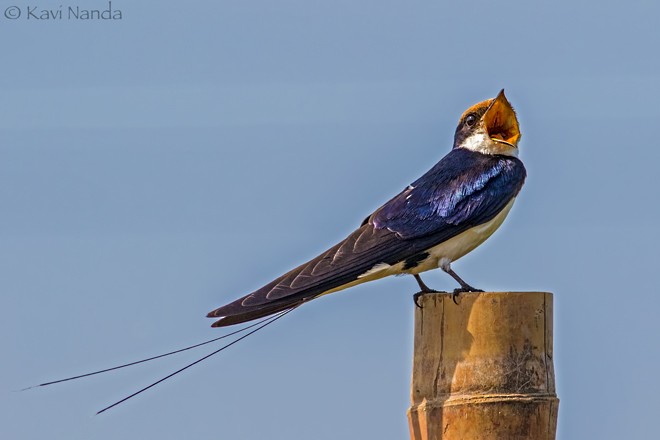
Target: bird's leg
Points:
(465, 287)
(424, 289)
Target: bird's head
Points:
(490, 127)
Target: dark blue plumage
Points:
(464, 189)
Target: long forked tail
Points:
(256, 327)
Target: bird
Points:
(434, 221)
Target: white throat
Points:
(480, 142)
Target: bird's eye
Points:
(470, 119)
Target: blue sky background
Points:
(156, 167)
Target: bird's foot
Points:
(422, 292)
(460, 290)
(424, 289)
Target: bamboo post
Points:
(483, 369)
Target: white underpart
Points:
(377, 268)
(441, 255)
(480, 142)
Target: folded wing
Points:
(338, 266)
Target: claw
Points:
(416, 299)
(417, 295)
(460, 290)
(425, 289)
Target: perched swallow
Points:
(440, 217)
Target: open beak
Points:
(501, 122)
